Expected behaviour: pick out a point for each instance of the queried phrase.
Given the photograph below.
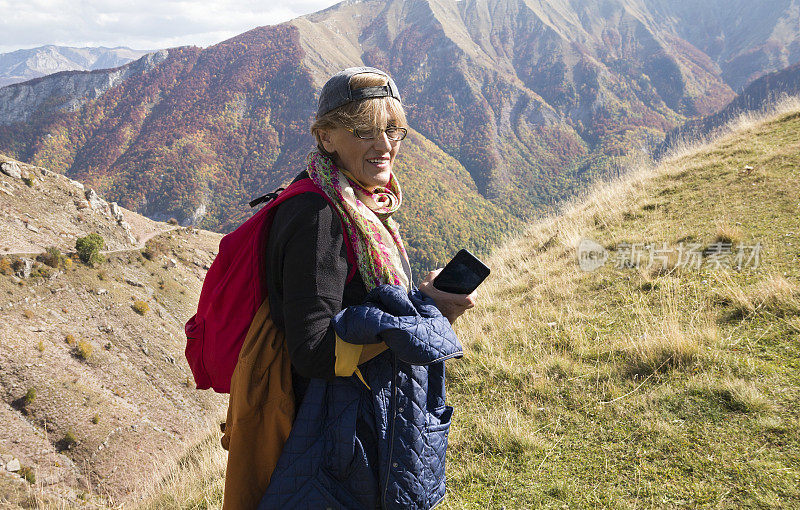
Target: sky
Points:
(139, 24)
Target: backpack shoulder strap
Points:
(306, 185)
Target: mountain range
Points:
(23, 65)
(513, 105)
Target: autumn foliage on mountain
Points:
(208, 130)
(513, 105)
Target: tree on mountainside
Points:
(88, 249)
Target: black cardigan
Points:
(306, 260)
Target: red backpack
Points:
(233, 290)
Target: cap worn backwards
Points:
(336, 91)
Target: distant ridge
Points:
(759, 95)
(22, 65)
(67, 91)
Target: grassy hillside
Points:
(628, 387)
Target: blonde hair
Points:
(379, 111)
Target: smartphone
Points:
(462, 275)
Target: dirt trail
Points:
(139, 246)
(142, 241)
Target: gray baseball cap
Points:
(336, 91)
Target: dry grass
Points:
(84, 350)
(727, 233)
(5, 266)
(663, 349)
(195, 480)
(773, 294)
(736, 395)
(778, 295)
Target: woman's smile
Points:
(368, 160)
(381, 163)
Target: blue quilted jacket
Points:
(357, 448)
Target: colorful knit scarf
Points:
(373, 234)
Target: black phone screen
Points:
(461, 275)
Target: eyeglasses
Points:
(393, 133)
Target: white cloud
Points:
(139, 24)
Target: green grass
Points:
(627, 388)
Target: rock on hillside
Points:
(42, 209)
(96, 393)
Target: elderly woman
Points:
(367, 347)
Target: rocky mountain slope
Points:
(638, 350)
(744, 39)
(24, 65)
(95, 394)
(521, 102)
(37, 216)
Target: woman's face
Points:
(370, 161)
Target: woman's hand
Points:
(451, 305)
